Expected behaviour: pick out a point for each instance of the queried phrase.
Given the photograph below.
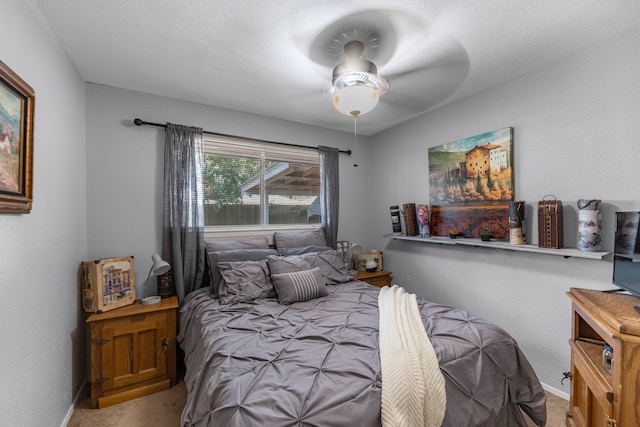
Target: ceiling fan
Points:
(419, 67)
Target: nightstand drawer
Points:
(377, 278)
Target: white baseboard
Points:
(76, 399)
(555, 391)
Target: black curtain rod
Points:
(139, 122)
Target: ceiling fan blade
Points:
(426, 51)
(426, 88)
(433, 77)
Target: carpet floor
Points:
(163, 409)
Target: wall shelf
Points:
(495, 244)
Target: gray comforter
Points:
(316, 363)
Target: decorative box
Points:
(107, 283)
(550, 230)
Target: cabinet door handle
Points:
(610, 422)
(165, 343)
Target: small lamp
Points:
(158, 268)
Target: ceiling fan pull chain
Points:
(355, 139)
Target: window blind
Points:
(229, 146)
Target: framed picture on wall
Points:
(17, 102)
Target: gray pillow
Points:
(299, 286)
(296, 240)
(244, 281)
(232, 255)
(288, 264)
(331, 266)
(302, 250)
(226, 245)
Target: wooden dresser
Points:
(132, 351)
(601, 396)
(377, 278)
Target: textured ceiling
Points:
(275, 58)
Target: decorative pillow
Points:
(299, 286)
(302, 250)
(288, 264)
(226, 245)
(233, 255)
(244, 281)
(296, 240)
(331, 266)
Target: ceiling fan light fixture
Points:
(355, 100)
(356, 83)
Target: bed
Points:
(258, 353)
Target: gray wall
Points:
(42, 362)
(124, 167)
(576, 136)
(97, 191)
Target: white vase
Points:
(589, 225)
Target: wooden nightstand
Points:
(377, 278)
(132, 351)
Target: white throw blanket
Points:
(413, 390)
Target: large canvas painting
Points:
(471, 184)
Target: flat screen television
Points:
(626, 254)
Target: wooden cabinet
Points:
(132, 351)
(603, 395)
(377, 278)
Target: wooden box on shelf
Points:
(377, 278)
(132, 351)
(602, 394)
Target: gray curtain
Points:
(183, 211)
(329, 193)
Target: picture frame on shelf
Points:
(365, 256)
(107, 283)
(17, 103)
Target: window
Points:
(253, 185)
